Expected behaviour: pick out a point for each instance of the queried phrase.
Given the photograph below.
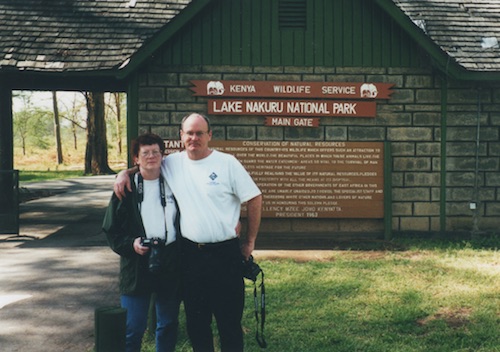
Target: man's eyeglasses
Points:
(155, 153)
(198, 134)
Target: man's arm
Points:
(123, 181)
(254, 212)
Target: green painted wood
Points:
(376, 32)
(385, 43)
(188, 44)
(265, 33)
(357, 39)
(235, 32)
(225, 14)
(367, 34)
(338, 33)
(216, 33)
(197, 38)
(246, 34)
(132, 111)
(395, 39)
(256, 40)
(276, 59)
(319, 51)
(335, 34)
(176, 52)
(208, 39)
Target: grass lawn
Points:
(37, 176)
(428, 296)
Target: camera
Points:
(156, 246)
(250, 269)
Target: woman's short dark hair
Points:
(146, 139)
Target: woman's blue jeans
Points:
(167, 312)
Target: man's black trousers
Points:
(213, 286)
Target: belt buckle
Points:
(200, 245)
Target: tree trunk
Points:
(57, 129)
(96, 154)
(75, 139)
(118, 119)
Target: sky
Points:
(44, 100)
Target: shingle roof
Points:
(467, 30)
(78, 35)
(101, 35)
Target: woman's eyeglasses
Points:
(155, 153)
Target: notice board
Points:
(312, 179)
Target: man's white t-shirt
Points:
(209, 193)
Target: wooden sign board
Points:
(292, 121)
(299, 108)
(271, 89)
(313, 179)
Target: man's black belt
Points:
(208, 246)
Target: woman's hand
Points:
(139, 248)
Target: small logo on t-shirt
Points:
(213, 176)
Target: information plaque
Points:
(314, 179)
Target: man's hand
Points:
(122, 181)
(247, 249)
(237, 229)
(254, 212)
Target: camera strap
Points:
(260, 337)
(140, 190)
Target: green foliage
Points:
(33, 128)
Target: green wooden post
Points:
(110, 329)
(387, 191)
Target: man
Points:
(210, 187)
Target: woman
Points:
(142, 228)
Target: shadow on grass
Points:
(374, 242)
(463, 240)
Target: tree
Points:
(30, 124)
(114, 108)
(74, 115)
(117, 97)
(57, 129)
(22, 121)
(96, 153)
(22, 127)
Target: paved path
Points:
(58, 270)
